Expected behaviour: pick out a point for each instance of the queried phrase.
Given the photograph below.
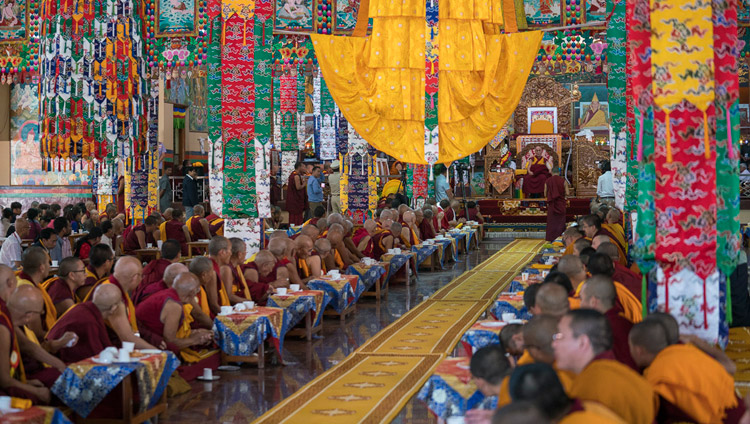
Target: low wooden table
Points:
(148, 253)
(196, 245)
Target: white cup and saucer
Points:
(208, 375)
(281, 291)
(294, 288)
(225, 310)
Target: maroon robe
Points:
(147, 291)
(296, 200)
(378, 248)
(425, 230)
(275, 197)
(173, 229)
(258, 289)
(15, 359)
(87, 322)
(534, 184)
(358, 237)
(130, 244)
(59, 291)
(448, 216)
(620, 331)
(196, 229)
(555, 206)
(152, 273)
(148, 314)
(632, 281)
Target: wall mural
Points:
(25, 153)
(294, 14)
(14, 20)
(176, 17)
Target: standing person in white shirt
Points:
(12, 252)
(605, 190)
(334, 180)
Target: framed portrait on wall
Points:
(176, 18)
(592, 110)
(14, 21)
(294, 15)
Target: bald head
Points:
(572, 266)
(598, 293)
(310, 231)
(118, 225)
(670, 325)
(598, 240)
(371, 226)
(201, 265)
(385, 215)
(263, 257)
(8, 282)
(396, 228)
(25, 299)
(537, 337)
(552, 299)
(277, 247)
(336, 228)
(198, 210)
(322, 246)
(128, 272)
(186, 285)
(322, 224)
(613, 216)
(335, 218)
(409, 217)
(172, 271)
(579, 245)
(106, 297)
(278, 234)
(608, 249)
(647, 339)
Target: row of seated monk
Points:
(587, 355)
(48, 323)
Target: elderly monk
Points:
(262, 276)
(220, 252)
(62, 289)
(197, 225)
(36, 267)
(168, 316)
(175, 229)
(627, 302)
(599, 294)
(592, 227)
(538, 384)
(409, 231)
(324, 250)
(38, 363)
(572, 266)
(232, 276)
(569, 237)
(304, 258)
(101, 259)
(13, 380)
(580, 245)
(169, 276)
(623, 274)
(552, 299)
(341, 255)
(363, 237)
(538, 169)
(488, 367)
(154, 272)
(537, 338)
(691, 385)
(88, 320)
(140, 235)
(202, 267)
(277, 247)
(349, 240)
(583, 346)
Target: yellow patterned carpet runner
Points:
(738, 350)
(375, 382)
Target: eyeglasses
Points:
(79, 270)
(558, 336)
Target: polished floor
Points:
(242, 396)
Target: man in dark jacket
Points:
(190, 191)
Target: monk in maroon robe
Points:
(262, 273)
(175, 229)
(599, 293)
(296, 195)
(555, 190)
(140, 235)
(154, 271)
(172, 271)
(538, 170)
(87, 320)
(197, 225)
(62, 289)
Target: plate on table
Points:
(228, 368)
(150, 351)
(213, 378)
(10, 410)
(492, 324)
(463, 366)
(99, 361)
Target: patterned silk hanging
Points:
(288, 105)
(213, 81)
(328, 122)
(263, 79)
(301, 102)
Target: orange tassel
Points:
(669, 140)
(223, 33)
(706, 141)
(244, 33)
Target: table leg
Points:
(127, 399)
(262, 355)
(308, 326)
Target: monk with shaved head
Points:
(363, 237)
(263, 276)
(284, 277)
(168, 316)
(236, 286)
(572, 266)
(552, 299)
(170, 273)
(691, 385)
(569, 237)
(341, 256)
(305, 258)
(220, 253)
(631, 280)
(599, 293)
(36, 267)
(409, 232)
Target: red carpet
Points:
(504, 211)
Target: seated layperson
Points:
(175, 229)
(62, 289)
(140, 236)
(154, 271)
(168, 317)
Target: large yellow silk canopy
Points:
(378, 81)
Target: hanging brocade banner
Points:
(263, 79)
(328, 122)
(380, 81)
(92, 103)
(213, 81)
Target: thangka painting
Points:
(25, 151)
(197, 115)
(596, 10)
(592, 111)
(178, 92)
(294, 15)
(542, 12)
(346, 14)
(14, 20)
(175, 18)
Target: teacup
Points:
(226, 310)
(106, 356)
(123, 356)
(294, 287)
(5, 402)
(149, 245)
(128, 346)
(249, 304)
(524, 276)
(54, 264)
(508, 316)
(281, 291)
(240, 307)
(208, 373)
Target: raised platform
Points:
(527, 211)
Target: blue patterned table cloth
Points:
(240, 334)
(83, 385)
(423, 252)
(297, 305)
(343, 292)
(450, 391)
(368, 274)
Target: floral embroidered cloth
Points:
(368, 274)
(297, 304)
(481, 334)
(83, 385)
(450, 390)
(343, 291)
(240, 334)
(35, 415)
